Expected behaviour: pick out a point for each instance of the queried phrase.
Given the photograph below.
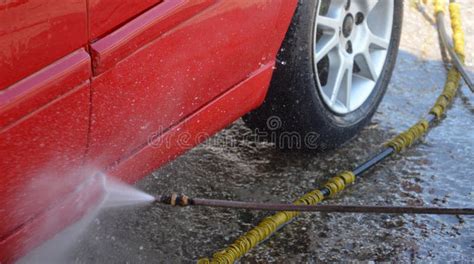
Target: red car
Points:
(123, 87)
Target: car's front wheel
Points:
(333, 69)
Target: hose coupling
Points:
(174, 200)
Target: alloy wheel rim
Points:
(351, 42)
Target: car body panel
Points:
(148, 75)
(43, 87)
(107, 15)
(36, 33)
(40, 154)
(164, 147)
(149, 91)
(109, 50)
(45, 118)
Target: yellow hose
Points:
(336, 184)
(454, 77)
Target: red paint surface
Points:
(116, 46)
(180, 66)
(196, 128)
(44, 122)
(36, 33)
(106, 15)
(41, 88)
(39, 156)
(178, 73)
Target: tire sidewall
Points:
(294, 96)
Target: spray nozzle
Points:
(173, 199)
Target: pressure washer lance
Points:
(183, 200)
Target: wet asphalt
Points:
(437, 172)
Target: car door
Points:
(44, 108)
(168, 62)
(106, 15)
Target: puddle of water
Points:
(58, 249)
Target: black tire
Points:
(294, 110)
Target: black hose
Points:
(454, 57)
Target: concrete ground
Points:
(437, 172)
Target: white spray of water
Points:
(120, 194)
(57, 249)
